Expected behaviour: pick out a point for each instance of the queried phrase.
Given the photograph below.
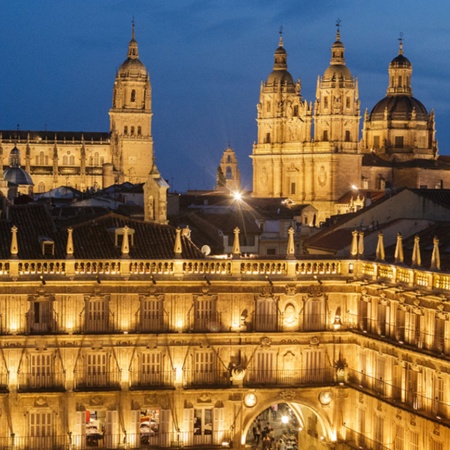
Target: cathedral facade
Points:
(94, 159)
(313, 154)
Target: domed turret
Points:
(132, 66)
(280, 74)
(15, 174)
(337, 69)
(399, 126)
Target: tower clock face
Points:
(132, 159)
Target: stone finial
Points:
(361, 243)
(14, 245)
(398, 255)
(178, 248)
(416, 258)
(125, 243)
(290, 253)
(236, 244)
(354, 244)
(435, 256)
(379, 252)
(69, 246)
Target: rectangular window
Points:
(41, 430)
(264, 368)
(398, 141)
(205, 313)
(376, 142)
(413, 440)
(97, 316)
(151, 370)
(204, 367)
(399, 438)
(293, 188)
(41, 370)
(96, 369)
(314, 367)
(314, 315)
(266, 314)
(152, 314)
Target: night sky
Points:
(206, 60)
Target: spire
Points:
(435, 256)
(416, 258)
(178, 249)
(280, 54)
(337, 49)
(290, 254)
(14, 246)
(236, 244)
(379, 253)
(400, 46)
(398, 255)
(133, 52)
(125, 249)
(69, 246)
(354, 244)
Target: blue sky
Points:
(206, 60)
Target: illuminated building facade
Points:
(120, 333)
(94, 159)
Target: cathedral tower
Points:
(337, 106)
(228, 175)
(284, 126)
(399, 127)
(131, 119)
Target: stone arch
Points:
(297, 405)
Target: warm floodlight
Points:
(285, 419)
(237, 196)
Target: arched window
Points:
(295, 112)
(347, 136)
(228, 173)
(41, 187)
(267, 138)
(91, 161)
(132, 131)
(41, 159)
(347, 102)
(125, 130)
(325, 102)
(96, 160)
(65, 160)
(325, 135)
(133, 95)
(228, 158)
(72, 160)
(139, 130)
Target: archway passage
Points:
(286, 426)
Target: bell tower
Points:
(131, 119)
(337, 106)
(284, 127)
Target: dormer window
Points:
(118, 236)
(47, 246)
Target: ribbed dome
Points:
(17, 175)
(400, 61)
(132, 67)
(399, 107)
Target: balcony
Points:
(92, 381)
(157, 380)
(34, 381)
(299, 377)
(198, 379)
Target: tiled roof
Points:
(92, 240)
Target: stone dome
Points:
(337, 71)
(132, 67)
(400, 61)
(399, 107)
(17, 175)
(280, 77)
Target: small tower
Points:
(131, 118)
(155, 197)
(19, 181)
(228, 175)
(337, 106)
